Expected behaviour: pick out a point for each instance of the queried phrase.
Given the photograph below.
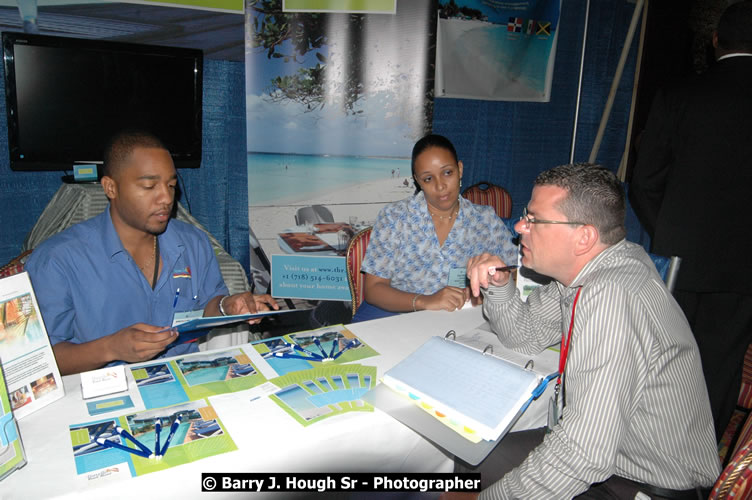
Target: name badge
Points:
(457, 277)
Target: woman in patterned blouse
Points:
(419, 247)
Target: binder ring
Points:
(529, 365)
(451, 334)
(488, 349)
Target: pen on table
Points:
(111, 444)
(135, 441)
(335, 345)
(173, 428)
(351, 344)
(318, 344)
(157, 430)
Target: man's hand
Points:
(139, 342)
(245, 303)
(481, 270)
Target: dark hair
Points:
(430, 141)
(594, 196)
(735, 27)
(122, 144)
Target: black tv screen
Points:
(67, 96)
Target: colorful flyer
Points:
(159, 384)
(195, 376)
(311, 395)
(217, 372)
(11, 450)
(198, 434)
(310, 349)
(29, 365)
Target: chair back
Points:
(314, 214)
(736, 479)
(15, 266)
(356, 252)
(485, 193)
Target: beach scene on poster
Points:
(330, 128)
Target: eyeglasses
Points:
(527, 220)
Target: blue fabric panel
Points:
(510, 143)
(506, 143)
(216, 193)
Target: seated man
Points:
(108, 286)
(631, 410)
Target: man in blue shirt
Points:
(108, 287)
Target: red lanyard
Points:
(564, 351)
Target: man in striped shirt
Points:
(633, 413)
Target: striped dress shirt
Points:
(636, 404)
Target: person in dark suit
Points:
(690, 189)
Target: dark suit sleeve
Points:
(654, 158)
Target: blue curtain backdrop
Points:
(507, 143)
(216, 194)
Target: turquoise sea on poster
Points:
(299, 177)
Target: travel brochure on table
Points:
(11, 450)
(204, 374)
(306, 366)
(309, 396)
(200, 434)
(28, 362)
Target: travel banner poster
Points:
(496, 50)
(335, 103)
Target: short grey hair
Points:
(594, 196)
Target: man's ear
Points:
(587, 238)
(109, 186)
(715, 39)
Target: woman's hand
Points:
(447, 299)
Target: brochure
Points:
(198, 434)
(204, 374)
(28, 364)
(11, 449)
(309, 396)
(191, 327)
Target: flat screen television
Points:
(66, 96)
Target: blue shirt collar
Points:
(170, 246)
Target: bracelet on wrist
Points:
(414, 299)
(221, 305)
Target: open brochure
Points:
(28, 364)
(192, 327)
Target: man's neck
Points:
(581, 261)
(135, 241)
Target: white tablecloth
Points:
(268, 439)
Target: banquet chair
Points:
(736, 479)
(485, 193)
(356, 251)
(733, 431)
(314, 214)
